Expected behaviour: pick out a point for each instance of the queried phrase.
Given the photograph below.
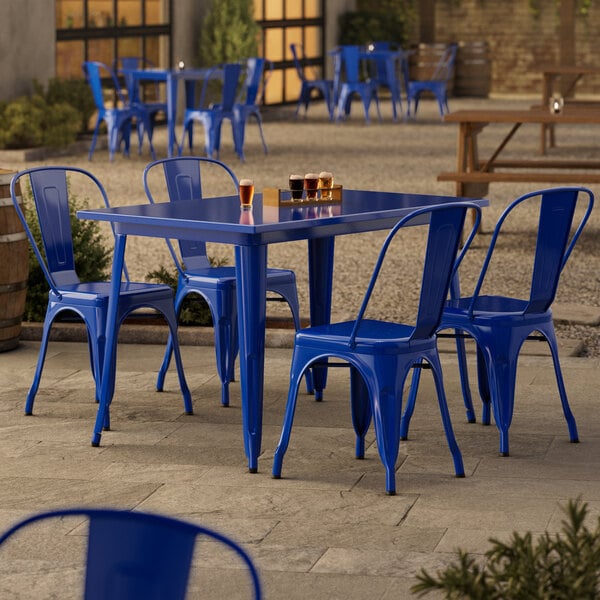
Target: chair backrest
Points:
(231, 79)
(183, 179)
(135, 555)
(50, 192)
(298, 57)
(348, 63)
(444, 70)
(258, 71)
(94, 73)
(446, 222)
(554, 241)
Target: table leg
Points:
(108, 376)
(251, 282)
(171, 113)
(320, 275)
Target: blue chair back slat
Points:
(445, 229)
(92, 74)
(184, 183)
(254, 73)
(445, 232)
(140, 556)
(553, 243)
(556, 218)
(183, 178)
(50, 194)
(350, 60)
(231, 77)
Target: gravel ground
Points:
(403, 156)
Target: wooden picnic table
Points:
(473, 174)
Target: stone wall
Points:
(519, 43)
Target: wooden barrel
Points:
(424, 60)
(473, 72)
(14, 267)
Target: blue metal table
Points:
(220, 220)
(171, 77)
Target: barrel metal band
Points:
(12, 237)
(4, 323)
(17, 286)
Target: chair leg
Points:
(484, 387)
(39, 368)
(571, 423)
(361, 410)
(436, 369)
(288, 418)
(171, 319)
(461, 355)
(410, 402)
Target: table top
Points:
(220, 219)
(569, 69)
(569, 114)
(158, 74)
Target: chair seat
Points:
(496, 308)
(374, 337)
(217, 276)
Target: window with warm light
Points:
(107, 29)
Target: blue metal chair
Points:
(258, 71)
(119, 117)
(437, 84)
(386, 65)
(183, 178)
(136, 96)
(89, 300)
(211, 116)
(381, 353)
(323, 86)
(501, 324)
(348, 83)
(133, 555)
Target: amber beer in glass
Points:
(311, 185)
(246, 192)
(326, 184)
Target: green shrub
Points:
(92, 257)
(383, 20)
(76, 93)
(229, 32)
(565, 566)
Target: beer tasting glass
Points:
(311, 185)
(246, 193)
(326, 185)
(296, 186)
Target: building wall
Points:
(27, 34)
(519, 42)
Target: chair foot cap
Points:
(95, 444)
(188, 412)
(403, 438)
(252, 469)
(276, 476)
(390, 492)
(504, 454)
(473, 420)
(29, 414)
(460, 475)
(575, 441)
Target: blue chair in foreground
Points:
(348, 83)
(258, 71)
(501, 324)
(323, 86)
(183, 179)
(133, 555)
(89, 300)
(382, 353)
(437, 84)
(211, 116)
(119, 117)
